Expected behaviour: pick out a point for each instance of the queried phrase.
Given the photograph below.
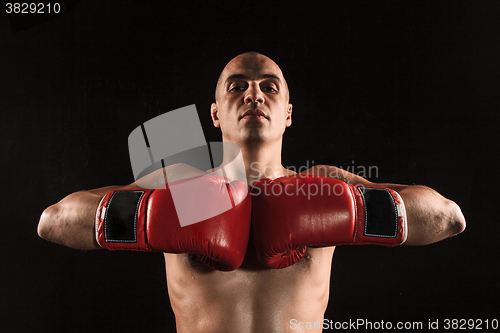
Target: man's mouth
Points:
(253, 114)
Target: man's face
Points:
(251, 101)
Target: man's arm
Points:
(71, 221)
(430, 216)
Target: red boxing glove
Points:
(207, 215)
(291, 213)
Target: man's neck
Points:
(262, 161)
(250, 163)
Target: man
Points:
(252, 110)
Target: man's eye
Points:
(269, 89)
(237, 88)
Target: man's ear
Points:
(215, 114)
(289, 115)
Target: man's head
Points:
(251, 100)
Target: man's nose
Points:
(254, 94)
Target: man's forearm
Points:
(431, 217)
(70, 222)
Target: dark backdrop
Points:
(410, 87)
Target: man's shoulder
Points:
(169, 174)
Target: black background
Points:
(411, 87)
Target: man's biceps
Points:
(132, 186)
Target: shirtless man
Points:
(253, 298)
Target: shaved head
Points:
(250, 60)
(252, 82)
